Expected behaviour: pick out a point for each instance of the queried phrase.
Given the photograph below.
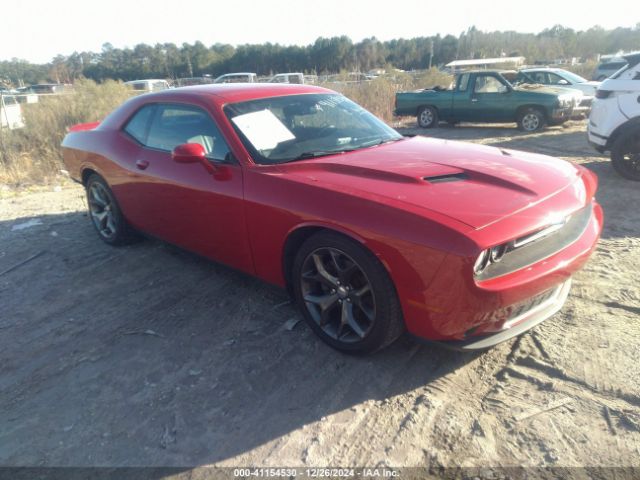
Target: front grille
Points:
(530, 304)
(539, 249)
(586, 102)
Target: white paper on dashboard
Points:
(263, 129)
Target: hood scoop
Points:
(451, 177)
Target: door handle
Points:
(474, 100)
(142, 164)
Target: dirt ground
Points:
(150, 356)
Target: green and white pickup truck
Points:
(487, 96)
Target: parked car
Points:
(287, 78)
(242, 77)
(10, 112)
(614, 123)
(371, 232)
(487, 96)
(560, 78)
(190, 81)
(148, 85)
(608, 67)
(44, 88)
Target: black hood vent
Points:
(452, 177)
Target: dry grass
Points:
(31, 155)
(378, 95)
(584, 69)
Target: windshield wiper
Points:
(324, 153)
(375, 143)
(316, 154)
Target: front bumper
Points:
(517, 325)
(584, 107)
(477, 314)
(562, 113)
(597, 141)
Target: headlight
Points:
(497, 253)
(482, 262)
(489, 256)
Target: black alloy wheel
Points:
(625, 155)
(105, 213)
(345, 294)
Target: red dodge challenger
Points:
(372, 233)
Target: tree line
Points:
(325, 55)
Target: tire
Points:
(345, 294)
(427, 117)
(625, 154)
(105, 214)
(531, 119)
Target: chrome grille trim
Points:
(537, 247)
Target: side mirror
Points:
(563, 82)
(189, 153)
(195, 153)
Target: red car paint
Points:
(426, 235)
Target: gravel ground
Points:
(150, 356)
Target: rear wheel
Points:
(531, 119)
(427, 117)
(105, 213)
(345, 294)
(625, 155)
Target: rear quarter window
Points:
(463, 83)
(138, 126)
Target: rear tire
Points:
(531, 119)
(427, 117)
(345, 294)
(625, 155)
(105, 213)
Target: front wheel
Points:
(427, 117)
(531, 120)
(625, 155)
(105, 213)
(345, 294)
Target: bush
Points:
(583, 69)
(378, 95)
(32, 154)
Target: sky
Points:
(39, 30)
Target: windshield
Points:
(572, 77)
(632, 61)
(296, 127)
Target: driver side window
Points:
(556, 79)
(540, 77)
(488, 84)
(173, 125)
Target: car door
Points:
(460, 108)
(490, 99)
(186, 204)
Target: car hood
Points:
(549, 90)
(473, 184)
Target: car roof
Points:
(548, 69)
(236, 73)
(491, 70)
(238, 92)
(146, 80)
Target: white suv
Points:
(614, 123)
